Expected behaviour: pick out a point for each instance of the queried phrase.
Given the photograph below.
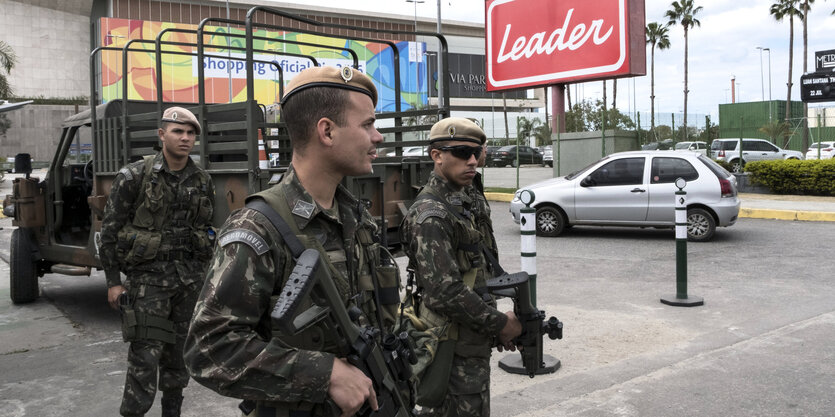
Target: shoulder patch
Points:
(126, 173)
(248, 237)
(430, 213)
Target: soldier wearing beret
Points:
(233, 346)
(446, 251)
(157, 231)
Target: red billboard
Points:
(540, 42)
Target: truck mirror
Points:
(23, 163)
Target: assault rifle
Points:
(534, 326)
(386, 365)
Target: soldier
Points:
(445, 248)
(233, 346)
(157, 230)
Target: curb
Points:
(750, 213)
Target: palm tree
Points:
(780, 10)
(657, 37)
(684, 13)
(7, 61)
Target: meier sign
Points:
(539, 42)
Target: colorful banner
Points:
(224, 66)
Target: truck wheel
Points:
(700, 225)
(23, 278)
(550, 221)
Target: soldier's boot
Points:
(171, 403)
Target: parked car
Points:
(695, 146)
(752, 150)
(489, 157)
(548, 156)
(827, 150)
(658, 146)
(506, 155)
(636, 189)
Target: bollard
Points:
(527, 222)
(681, 299)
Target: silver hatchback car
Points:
(636, 189)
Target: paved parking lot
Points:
(761, 344)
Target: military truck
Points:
(58, 217)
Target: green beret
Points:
(182, 116)
(457, 128)
(345, 77)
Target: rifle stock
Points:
(534, 326)
(385, 365)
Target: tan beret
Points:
(457, 128)
(181, 116)
(345, 77)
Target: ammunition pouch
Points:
(135, 246)
(141, 326)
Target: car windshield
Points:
(725, 145)
(683, 145)
(580, 171)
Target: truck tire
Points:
(23, 279)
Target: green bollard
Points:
(681, 299)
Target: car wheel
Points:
(550, 221)
(514, 163)
(735, 167)
(700, 225)
(22, 278)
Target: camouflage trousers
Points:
(469, 390)
(151, 361)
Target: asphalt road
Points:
(761, 344)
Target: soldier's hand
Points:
(350, 388)
(512, 329)
(113, 296)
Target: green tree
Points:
(775, 130)
(781, 10)
(683, 12)
(657, 37)
(586, 116)
(525, 128)
(542, 133)
(8, 59)
(663, 132)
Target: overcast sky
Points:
(724, 46)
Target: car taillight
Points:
(827, 150)
(721, 153)
(727, 189)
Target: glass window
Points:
(625, 171)
(666, 170)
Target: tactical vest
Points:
(474, 272)
(321, 336)
(162, 218)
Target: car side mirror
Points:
(588, 182)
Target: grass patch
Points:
(499, 190)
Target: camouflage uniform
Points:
(481, 215)
(233, 347)
(159, 237)
(443, 248)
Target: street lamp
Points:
(762, 84)
(769, 83)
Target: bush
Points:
(812, 177)
(724, 164)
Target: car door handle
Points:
(638, 190)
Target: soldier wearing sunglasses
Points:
(446, 252)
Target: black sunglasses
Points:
(463, 151)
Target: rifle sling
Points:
(497, 268)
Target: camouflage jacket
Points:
(436, 240)
(232, 346)
(169, 243)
